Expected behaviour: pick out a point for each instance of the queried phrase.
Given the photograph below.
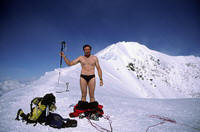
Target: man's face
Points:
(87, 51)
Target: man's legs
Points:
(83, 85)
(91, 85)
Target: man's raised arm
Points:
(68, 62)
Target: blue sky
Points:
(31, 30)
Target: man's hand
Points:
(101, 82)
(62, 54)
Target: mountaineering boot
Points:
(19, 112)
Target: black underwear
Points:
(87, 77)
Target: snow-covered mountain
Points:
(133, 68)
(135, 78)
(148, 73)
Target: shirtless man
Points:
(87, 77)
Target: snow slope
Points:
(130, 97)
(148, 73)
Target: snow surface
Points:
(141, 88)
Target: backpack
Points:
(42, 107)
(38, 113)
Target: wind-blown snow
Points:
(135, 78)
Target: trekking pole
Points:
(63, 43)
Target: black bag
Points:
(57, 121)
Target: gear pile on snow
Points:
(41, 113)
(90, 110)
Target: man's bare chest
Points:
(88, 61)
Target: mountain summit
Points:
(132, 74)
(148, 73)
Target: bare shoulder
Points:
(80, 57)
(94, 57)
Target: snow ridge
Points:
(166, 76)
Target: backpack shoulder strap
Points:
(35, 101)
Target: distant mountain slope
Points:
(151, 73)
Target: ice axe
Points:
(63, 44)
